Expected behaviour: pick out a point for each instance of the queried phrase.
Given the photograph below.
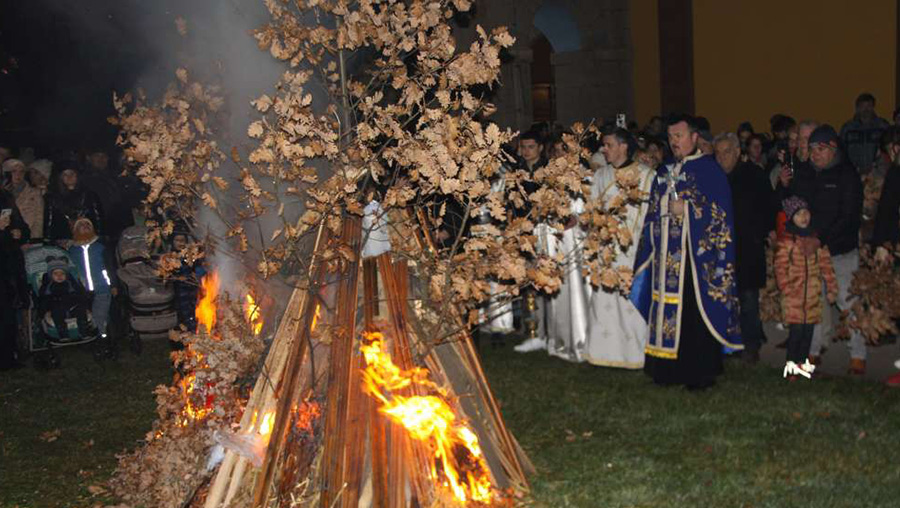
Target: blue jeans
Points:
(100, 310)
(751, 326)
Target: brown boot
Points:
(815, 360)
(857, 367)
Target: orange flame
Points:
(206, 308)
(252, 314)
(190, 411)
(315, 319)
(265, 427)
(429, 419)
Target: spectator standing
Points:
(802, 266)
(755, 151)
(861, 134)
(118, 194)
(13, 293)
(69, 202)
(833, 189)
(29, 200)
(887, 218)
(754, 217)
(90, 256)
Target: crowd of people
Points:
(717, 204)
(79, 203)
(722, 213)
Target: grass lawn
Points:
(99, 409)
(599, 437)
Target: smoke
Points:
(124, 45)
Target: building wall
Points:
(644, 18)
(806, 58)
(593, 70)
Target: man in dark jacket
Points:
(832, 187)
(887, 219)
(861, 134)
(754, 217)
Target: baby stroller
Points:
(150, 301)
(42, 335)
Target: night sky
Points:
(60, 66)
(62, 60)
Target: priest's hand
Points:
(676, 207)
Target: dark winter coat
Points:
(754, 217)
(835, 197)
(887, 219)
(12, 262)
(118, 196)
(66, 293)
(861, 141)
(64, 207)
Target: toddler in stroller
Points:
(62, 297)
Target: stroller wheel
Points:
(135, 343)
(46, 360)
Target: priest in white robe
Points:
(617, 333)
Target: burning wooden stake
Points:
(394, 431)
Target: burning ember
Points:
(191, 411)
(206, 307)
(265, 426)
(458, 461)
(307, 414)
(252, 314)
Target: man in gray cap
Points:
(833, 189)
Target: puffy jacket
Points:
(835, 197)
(801, 264)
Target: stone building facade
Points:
(589, 72)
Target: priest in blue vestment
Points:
(685, 279)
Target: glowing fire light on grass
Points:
(252, 314)
(458, 463)
(206, 307)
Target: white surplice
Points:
(497, 315)
(617, 333)
(566, 312)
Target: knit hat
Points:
(824, 134)
(10, 164)
(792, 205)
(57, 263)
(42, 166)
(83, 231)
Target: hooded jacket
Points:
(835, 197)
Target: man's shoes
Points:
(535, 344)
(814, 359)
(857, 367)
(893, 381)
